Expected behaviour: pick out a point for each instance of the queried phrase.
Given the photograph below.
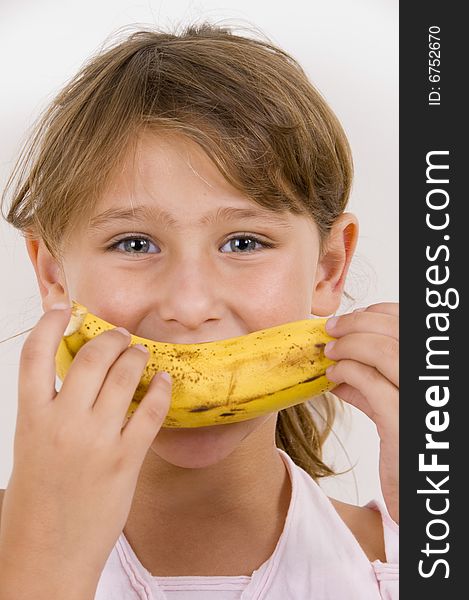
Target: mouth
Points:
(195, 341)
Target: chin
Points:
(202, 447)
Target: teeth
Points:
(222, 381)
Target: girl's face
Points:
(176, 254)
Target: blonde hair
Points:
(246, 102)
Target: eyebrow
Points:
(146, 213)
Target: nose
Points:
(191, 292)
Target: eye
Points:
(247, 245)
(239, 244)
(133, 245)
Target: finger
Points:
(363, 322)
(36, 381)
(143, 426)
(387, 308)
(116, 394)
(90, 367)
(378, 351)
(352, 396)
(386, 425)
(366, 389)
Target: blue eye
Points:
(136, 245)
(247, 245)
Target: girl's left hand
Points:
(367, 371)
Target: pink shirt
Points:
(316, 557)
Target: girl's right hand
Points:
(75, 466)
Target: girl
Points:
(144, 174)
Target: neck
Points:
(230, 485)
(210, 509)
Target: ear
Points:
(49, 274)
(333, 265)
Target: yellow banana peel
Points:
(224, 381)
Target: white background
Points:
(350, 52)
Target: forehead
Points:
(168, 179)
(171, 158)
(170, 169)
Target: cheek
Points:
(282, 293)
(115, 296)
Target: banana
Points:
(224, 381)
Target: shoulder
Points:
(367, 527)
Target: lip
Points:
(192, 341)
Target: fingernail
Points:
(122, 330)
(166, 376)
(331, 323)
(60, 306)
(329, 346)
(141, 347)
(329, 372)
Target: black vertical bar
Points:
(433, 281)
